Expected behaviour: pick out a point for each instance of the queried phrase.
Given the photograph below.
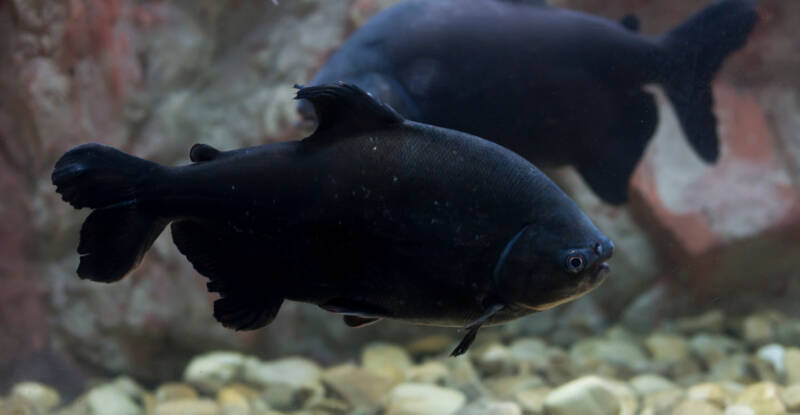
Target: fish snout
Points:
(604, 249)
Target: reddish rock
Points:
(726, 228)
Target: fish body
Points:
(556, 86)
(372, 216)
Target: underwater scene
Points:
(399, 207)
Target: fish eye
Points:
(575, 263)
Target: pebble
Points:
(708, 392)
(733, 368)
(758, 329)
(668, 348)
(584, 396)
(211, 371)
(662, 402)
(175, 391)
(430, 345)
(387, 360)
(693, 407)
(790, 396)
(486, 407)
(587, 354)
(774, 354)
(423, 399)
(108, 399)
(357, 386)
(648, 384)
(289, 383)
(188, 406)
(506, 386)
(532, 400)
(762, 398)
(709, 322)
(531, 352)
(739, 410)
(41, 396)
(791, 363)
(713, 348)
(494, 359)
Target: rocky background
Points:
(153, 77)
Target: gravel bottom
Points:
(708, 364)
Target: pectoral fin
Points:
(472, 329)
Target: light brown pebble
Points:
(708, 392)
(175, 391)
(231, 397)
(666, 347)
(388, 360)
(758, 329)
(429, 372)
(693, 407)
(790, 396)
(739, 410)
(494, 359)
(648, 384)
(588, 395)
(662, 402)
(791, 364)
(430, 345)
(188, 406)
(532, 400)
(423, 399)
(357, 386)
(762, 398)
(505, 387)
(41, 396)
(486, 407)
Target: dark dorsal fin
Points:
(345, 109)
(630, 22)
(203, 152)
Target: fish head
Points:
(556, 258)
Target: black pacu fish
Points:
(371, 217)
(556, 86)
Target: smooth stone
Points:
(590, 353)
(740, 410)
(763, 398)
(791, 363)
(494, 359)
(430, 345)
(108, 399)
(211, 371)
(693, 407)
(758, 329)
(486, 407)
(188, 406)
(713, 348)
(532, 400)
(423, 399)
(708, 392)
(357, 386)
(788, 333)
(790, 396)
(504, 387)
(648, 384)
(232, 399)
(17, 406)
(668, 348)
(41, 396)
(628, 400)
(385, 359)
(531, 352)
(465, 378)
(289, 383)
(733, 368)
(175, 391)
(774, 354)
(712, 321)
(429, 372)
(588, 395)
(662, 402)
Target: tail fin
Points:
(697, 48)
(116, 235)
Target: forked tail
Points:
(696, 49)
(117, 233)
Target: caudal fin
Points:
(117, 233)
(696, 50)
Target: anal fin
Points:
(356, 321)
(233, 270)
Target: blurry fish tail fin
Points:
(696, 48)
(116, 234)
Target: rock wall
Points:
(154, 77)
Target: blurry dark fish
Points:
(371, 217)
(556, 86)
